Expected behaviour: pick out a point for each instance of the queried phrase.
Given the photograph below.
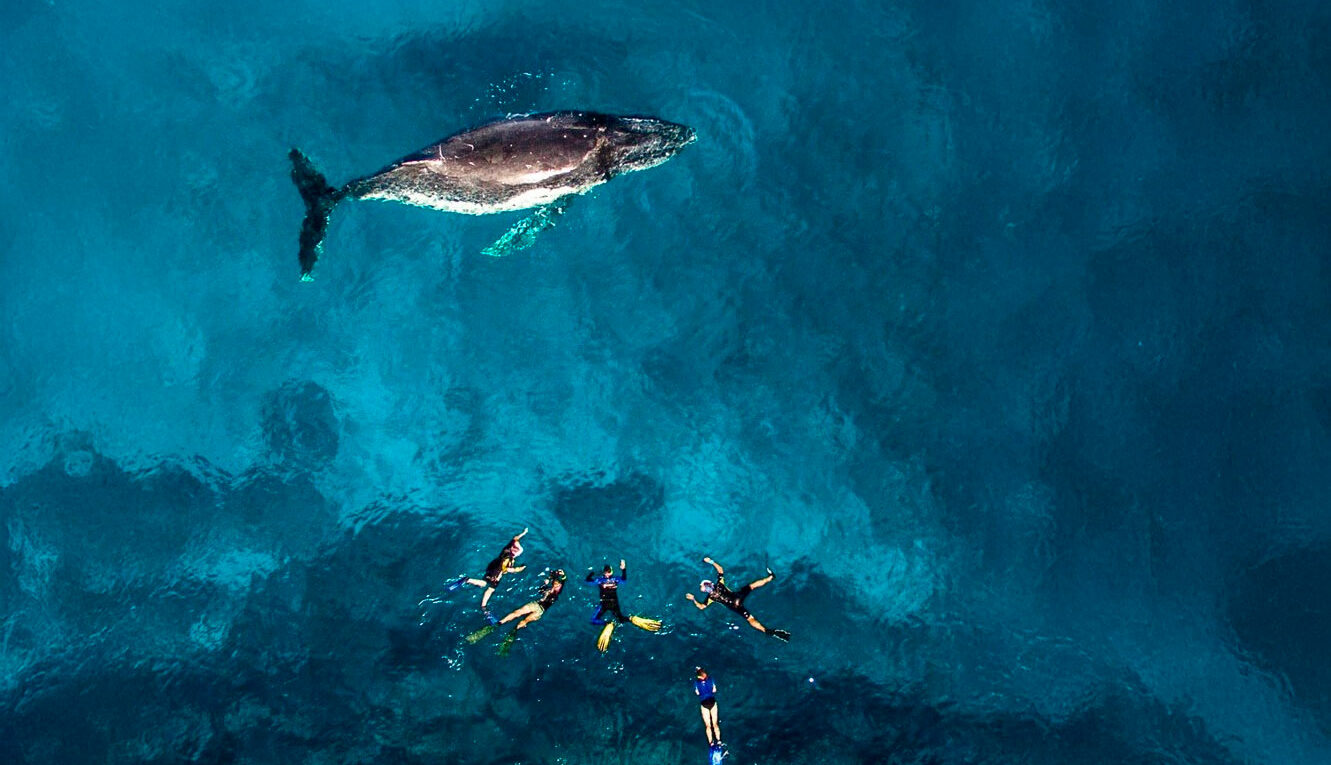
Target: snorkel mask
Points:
(707, 586)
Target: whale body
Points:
(538, 161)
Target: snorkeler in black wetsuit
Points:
(607, 586)
(494, 571)
(734, 600)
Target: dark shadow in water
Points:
(616, 514)
(300, 425)
(1279, 611)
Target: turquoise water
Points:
(999, 331)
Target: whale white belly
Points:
(525, 200)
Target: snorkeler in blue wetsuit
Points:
(734, 600)
(607, 585)
(705, 688)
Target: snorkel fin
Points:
(603, 642)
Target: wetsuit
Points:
(549, 595)
(706, 690)
(728, 597)
(499, 566)
(608, 586)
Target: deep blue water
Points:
(1001, 331)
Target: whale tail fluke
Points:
(320, 198)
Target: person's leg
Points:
(715, 722)
(523, 611)
(476, 582)
(778, 634)
(707, 725)
(755, 584)
(533, 616)
(485, 599)
(599, 616)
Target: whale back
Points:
(517, 152)
(522, 162)
(538, 161)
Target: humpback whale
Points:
(539, 161)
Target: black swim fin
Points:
(781, 635)
(320, 199)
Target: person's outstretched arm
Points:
(517, 544)
(715, 565)
(695, 602)
(623, 571)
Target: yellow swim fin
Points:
(603, 642)
(651, 625)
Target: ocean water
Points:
(1000, 331)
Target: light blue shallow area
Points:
(1000, 331)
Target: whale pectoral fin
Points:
(523, 233)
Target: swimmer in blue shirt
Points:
(705, 688)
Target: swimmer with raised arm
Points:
(503, 564)
(607, 587)
(718, 592)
